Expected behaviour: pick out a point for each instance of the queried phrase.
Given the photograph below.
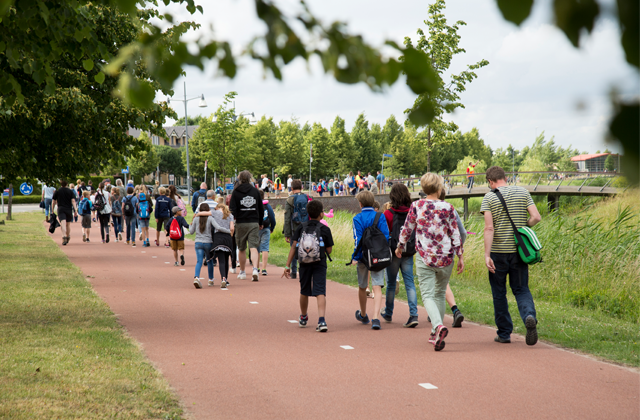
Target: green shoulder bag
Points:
(527, 242)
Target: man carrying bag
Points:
(507, 211)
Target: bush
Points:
(23, 199)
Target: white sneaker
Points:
(242, 275)
(116, 239)
(120, 235)
(255, 274)
(211, 282)
(233, 271)
(140, 236)
(196, 283)
(223, 285)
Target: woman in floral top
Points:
(437, 243)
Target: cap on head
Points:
(176, 209)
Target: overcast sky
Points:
(536, 81)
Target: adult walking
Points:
(120, 187)
(501, 256)
(223, 242)
(203, 225)
(396, 215)
(47, 197)
(247, 209)
(103, 209)
(438, 242)
(471, 170)
(65, 199)
(199, 196)
(129, 204)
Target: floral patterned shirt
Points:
(437, 235)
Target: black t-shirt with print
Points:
(326, 237)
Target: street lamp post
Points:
(201, 104)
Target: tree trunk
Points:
(429, 149)
(10, 202)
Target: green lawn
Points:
(64, 355)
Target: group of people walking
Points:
(385, 243)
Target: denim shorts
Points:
(143, 223)
(377, 277)
(265, 238)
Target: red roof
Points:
(581, 158)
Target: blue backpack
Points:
(85, 207)
(300, 209)
(144, 207)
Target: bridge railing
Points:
(530, 178)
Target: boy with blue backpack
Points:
(295, 213)
(268, 225)
(144, 209)
(84, 209)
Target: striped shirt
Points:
(517, 199)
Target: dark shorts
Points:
(86, 221)
(313, 280)
(65, 214)
(161, 222)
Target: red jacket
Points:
(389, 216)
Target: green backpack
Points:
(527, 242)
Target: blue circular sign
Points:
(26, 189)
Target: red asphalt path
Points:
(228, 358)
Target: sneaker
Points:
(255, 275)
(117, 240)
(140, 236)
(264, 272)
(84, 237)
(127, 242)
(383, 314)
(211, 283)
(87, 241)
(64, 240)
(375, 324)
(120, 236)
(228, 282)
(133, 243)
(438, 337)
(107, 239)
(242, 275)
(457, 319)
(181, 259)
(412, 322)
(322, 327)
(302, 321)
(293, 275)
(223, 285)
(359, 317)
(103, 241)
(157, 243)
(196, 283)
(233, 271)
(532, 332)
(175, 264)
(167, 245)
(499, 339)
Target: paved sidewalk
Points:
(235, 354)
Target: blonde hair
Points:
(220, 200)
(386, 206)
(162, 190)
(86, 194)
(431, 183)
(224, 209)
(366, 198)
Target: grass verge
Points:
(586, 293)
(63, 353)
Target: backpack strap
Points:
(319, 235)
(375, 223)
(513, 225)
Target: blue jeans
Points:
(405, 266)
(518, 272)
(294, 262)
(47, 206)
(117, 224)
(130, 222)
(470, 184)
(202, 252)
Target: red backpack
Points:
(175, 230)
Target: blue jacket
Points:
(363, 220)
(271, 224)
(163, 207)
(194, 199)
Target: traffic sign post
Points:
(384, 155)
(26, 189)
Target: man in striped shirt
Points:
(501, 255)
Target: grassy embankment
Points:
(587, 291)
(63, 353)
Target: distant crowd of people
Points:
(385, 242)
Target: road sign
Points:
(6, 192)
(229, 186)
(171, 178)
(26, 188)
(386, 155)
(126, 171)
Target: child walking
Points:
(222, 241)
(268, 225)
(312, 242)
(176, 234)
(84, 208)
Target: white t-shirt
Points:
(289, 181)
(48, 192)
(265, 183)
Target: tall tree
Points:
(262, 136)
(389, 132)
(190, 120)
(293, 157)
(170, 160)
(441, 45)
(342, 145)
(366, 158)
(323, 164)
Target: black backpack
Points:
(127, 207)
(376, 254)
(396, 228)
(99, 202)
